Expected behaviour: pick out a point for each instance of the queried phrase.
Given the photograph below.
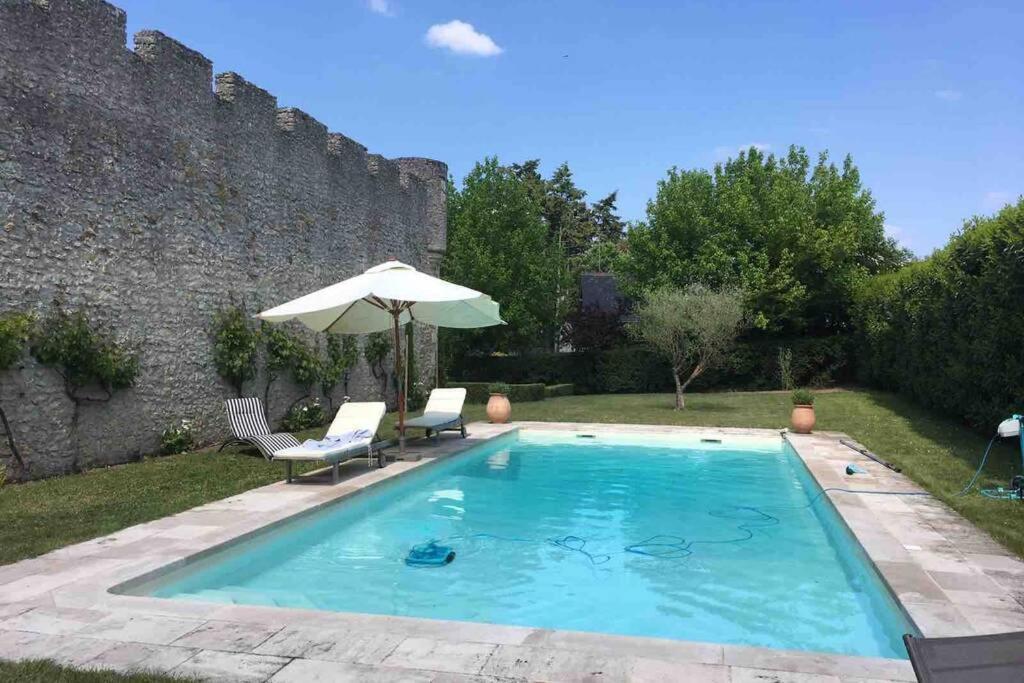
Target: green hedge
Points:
(948, 331)
(556, 390)
(752, 364)
(478, 392)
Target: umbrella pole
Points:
(396, 312)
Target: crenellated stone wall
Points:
(139, 187)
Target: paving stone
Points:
(296, 641)
(230, 666)
(654, 648)
(910, 582)
(976, 582)
(644, 670)
(63, 649)
(141, 628)
(739, 674)
(938, 620)
(312, 671)
(545, 664)
(355, 647)
(53, 620)
(441, 655)
(135, 657)
(227, 635)
(987, 620)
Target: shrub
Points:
(177, 438)
(803, 397)
(499, 388)
(523, 393)
(556, 390)
(947, 331)
(480, 392)
(751, 365)
(303, 415)
(786, 367)
(235, 345)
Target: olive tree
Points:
(692, 327)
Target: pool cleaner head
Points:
(430, 555)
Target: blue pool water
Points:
(691, 541)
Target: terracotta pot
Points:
(802, 419)
(498, 409)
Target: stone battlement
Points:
(137, 185)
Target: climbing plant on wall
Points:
(375, 351)
(235, 346)
(86, 358)
(284, 352)
(15, 331)
(342, 354)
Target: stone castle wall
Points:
(137, 187)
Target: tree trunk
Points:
(680, 401)
(10, 439)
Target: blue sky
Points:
(928, 97)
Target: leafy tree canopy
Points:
(795, 239)
(498, 244)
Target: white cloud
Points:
(949, 95)
(993, 201)
(901, 235)
(461, 38)
(383, 7)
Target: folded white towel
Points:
(331, 443)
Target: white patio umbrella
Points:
(386, 297)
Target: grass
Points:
(38, 671)
(937, 453)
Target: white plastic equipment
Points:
(1010, 426)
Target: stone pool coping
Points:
(949, 576)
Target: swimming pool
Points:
(633, 535)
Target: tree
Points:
(796, 240)
(497, 243)
(691, 327)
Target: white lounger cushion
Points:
(303, 453)
(351, 416)
(429, 420)
(443, 407)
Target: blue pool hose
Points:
(669, 547)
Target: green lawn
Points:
(48, 672)
(936, 452)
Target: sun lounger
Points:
(997, 658)
(249, 425)
(442, 413)
(351, 417)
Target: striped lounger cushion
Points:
(249, 424)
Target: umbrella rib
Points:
(347, 309)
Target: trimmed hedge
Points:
(752, 365)
(556, 390)
(478, 392)
(948, 331)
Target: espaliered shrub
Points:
(948, 331)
